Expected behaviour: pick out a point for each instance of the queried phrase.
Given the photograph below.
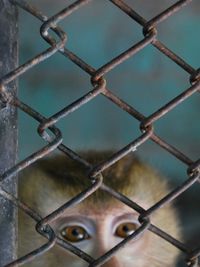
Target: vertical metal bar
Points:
(8, 130)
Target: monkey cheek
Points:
(138, 245)
(64, 257)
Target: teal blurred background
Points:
(97, 33)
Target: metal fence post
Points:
(8, 131)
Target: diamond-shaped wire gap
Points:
(180, 34)
(168, 165)
(99, 125)
(89, 36)
(142, 80)
(178, 125)
(49, 90)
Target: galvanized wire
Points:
(98, 82)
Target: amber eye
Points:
(74, 233)
(125, 229)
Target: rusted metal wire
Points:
(99, 87)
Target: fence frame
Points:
(8, 130)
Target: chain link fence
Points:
(56, 37)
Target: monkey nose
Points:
(112, 262)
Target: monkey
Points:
(101, 221)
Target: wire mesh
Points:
(98, 86)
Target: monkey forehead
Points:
(100, 211)
(98, 205)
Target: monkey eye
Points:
(74, 233)
(125, 229)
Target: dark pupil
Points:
(75, 232)
(126, 228)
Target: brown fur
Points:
(68, 177)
